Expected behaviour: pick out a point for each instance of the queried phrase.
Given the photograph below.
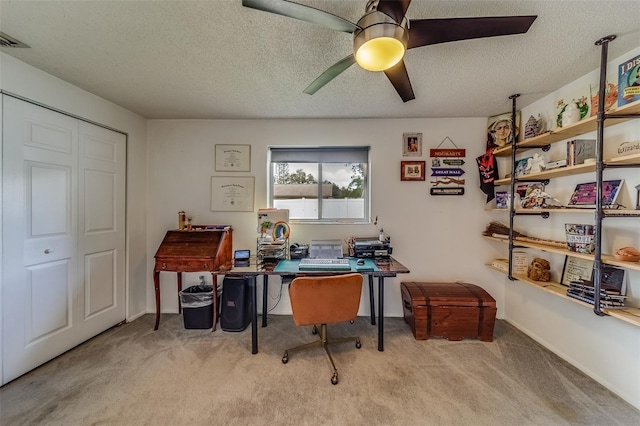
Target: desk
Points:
(193, 251)
(386, 268)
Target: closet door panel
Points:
(101, 241)
(40, 261)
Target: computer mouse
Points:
(360, 262)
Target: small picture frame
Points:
(412, 170)
(233, 158)
(412, 145)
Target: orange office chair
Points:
(325, 300)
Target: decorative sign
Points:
(446, 172)
(446, 169)
(439, 153)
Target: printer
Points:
(372, 247)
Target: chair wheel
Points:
(352, 322)
(358, 344)
(334, 379)
(314, 330)
(285, 358)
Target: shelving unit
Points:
(630, 315)
(581, 127)
(598, 123)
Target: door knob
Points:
(48, 251)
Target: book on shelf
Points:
(579, 150)
(586, 287)
(629, 81)
(604, 304)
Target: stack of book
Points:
(584, 291)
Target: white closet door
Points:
(43, 285)
(101, 220)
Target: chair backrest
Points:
(325, 299)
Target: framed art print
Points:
(412, 170)
(233, 158)
(412, 144)
(232, 194)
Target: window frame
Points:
(316, 155)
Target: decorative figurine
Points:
(535, 164)
(533, 127)
(539, 270)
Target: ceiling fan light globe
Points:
(380, 53)
(380, 43)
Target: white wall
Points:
(21, 79)
(437, 238)
(607, 349)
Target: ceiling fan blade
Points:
(333, 71)
(399, 77)
(302, 12)
(396, 9)
(423, 32)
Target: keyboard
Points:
(324, 265)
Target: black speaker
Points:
(236, 303)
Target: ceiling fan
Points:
(382, 36)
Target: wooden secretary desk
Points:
(201, 249)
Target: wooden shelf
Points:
(633, 159)
(630, 315)
(606, 258)
(561, 133)
(607, 212)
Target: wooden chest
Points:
(449, 310)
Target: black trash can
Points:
(197, 306)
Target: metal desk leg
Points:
(265, 298)
(380, 313)
(371, 301)
(254, 314)
(156, 286)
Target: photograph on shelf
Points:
(412, 170)
(521, 166)
(412, 144)
(584, 195)
(576, 269)
(499, 129)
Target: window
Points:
(320, 184)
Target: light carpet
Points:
(131, 375)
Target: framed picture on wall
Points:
(233, 158)
(232, 194)
(412, 144)
(412, 170)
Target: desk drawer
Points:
(186, 265)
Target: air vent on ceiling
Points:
(6, 41)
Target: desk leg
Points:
(254, 314)
(216, 309)
(179, 290)
(371, 301)
(156, 286)
(380, 313)
(265, 298)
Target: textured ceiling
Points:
(217, 59)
